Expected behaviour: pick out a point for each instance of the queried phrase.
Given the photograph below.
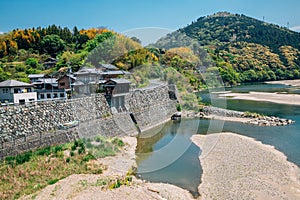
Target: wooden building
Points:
(115, 92)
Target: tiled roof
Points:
(68, 75)
(108, 66)
(14, 83)
(119, 80)
(46, 80)
(117, 72)
(36, 75)
(88, 71)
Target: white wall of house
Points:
(48, 95)
(28, 97)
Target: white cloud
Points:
(1, 32)
(296, 28)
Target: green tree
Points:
(32, 62)
(52, 44)
(249, 76)
(272, 75)
(4, 75)
(100, 38)
(296, 73)
(227, 73)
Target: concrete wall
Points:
(28, 97)
(36, 125)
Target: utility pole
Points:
(51, 87)
(69, 76)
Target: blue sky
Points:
(122, 15)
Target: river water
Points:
(167, 154)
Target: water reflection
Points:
(170, 156)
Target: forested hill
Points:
(226, 27)
(256, 50)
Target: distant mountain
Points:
(226, 27)
(256, 50)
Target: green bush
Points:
(101, 182)
(178, 107)
(68, 159)
(115, 184)
(81, 150)
(10, 160)
(76, 143)
(88, 157)
(88, 145)
(99, 139)
(43, 151)
(22, 158)
(74, 147)
(118, 142)
(53, 181)
(57, 149)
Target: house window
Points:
(62, 84)
(22, 101)
(55, 95)
(42, 96)
(16, 91)
(62, 95)
(31, 99)
(5, 90)
(28, 89)
(48, 96)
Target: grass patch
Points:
(252, 114)
(118, 182)
(32, 171)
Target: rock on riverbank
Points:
(237, 167)
(210, 112)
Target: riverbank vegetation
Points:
(31, 171)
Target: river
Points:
(167, 155)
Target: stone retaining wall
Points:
(37, 125)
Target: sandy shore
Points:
(238, 167)
(84, 186)
(295, 83)
(290, 99)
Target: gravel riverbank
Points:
(238, 167)
(295, 83)
(88, 186)
(289, 99)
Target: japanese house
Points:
(115, 93)
(16, 92)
